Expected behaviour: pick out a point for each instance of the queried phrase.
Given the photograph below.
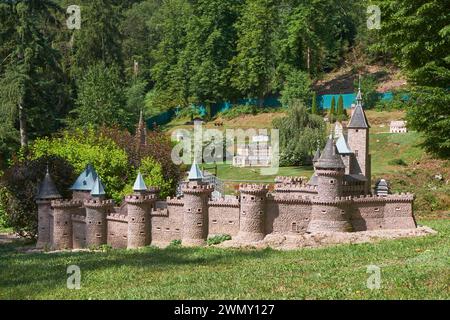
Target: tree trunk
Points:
(308, 60)
(23, 127)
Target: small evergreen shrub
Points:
(218, 239)
(175, 243)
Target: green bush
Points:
(80, 147)
(297, 87)
(300, 132)
(218, 239)
(3, 199)
(153, 176)
(240, 110)
(19, 187)
(175, 243)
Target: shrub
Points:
(80, 147)
(19, 187)
(158, 148)
(218, 239)
(175, 243)
(240, 110)
(153, 176)
(296, 88)
(299, 134)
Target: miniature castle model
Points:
(398, 127)
(337, 198)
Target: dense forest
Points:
(156, 54)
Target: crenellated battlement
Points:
(194, 187)
(97, 203)
(117, 217)
(160, 212)
(253, 188)
(296, 188)
(175, 201)
(290, 180)
(290, 198)
(225, 202)
(335, 201)
(68, 204)
(399, 197)
(140, 198)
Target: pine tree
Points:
(314, 104)
(333, 110)
(254, 65)
(29, 83)
(340, 108)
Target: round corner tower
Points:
(96, 224)
(329, 211)
(252, 212)
(62, 222)
(47, 193)
(195, 219)
(139, 224)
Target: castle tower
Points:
(358, 141)
(139, 206)
(82, 187)
(97, 209)
(330, 171)
(62, 223)
(47, 193)
(329, 212)
(252, 214)
(195, 219)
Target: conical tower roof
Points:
(359, 119)
(98, 190)
(317, 155)
(47, 189)
(85, 180)
(195, 174)
(330, 158)
(139, 184)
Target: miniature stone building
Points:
(337, 198)
(255, 154)
(398, 127)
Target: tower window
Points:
(356, 153)
(357, 130)
(332, 181)
(294, 227)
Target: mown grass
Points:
(415, 268)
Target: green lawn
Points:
(416, 268)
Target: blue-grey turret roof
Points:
(47, 189)
(85, 181)
(195, 174)
(98, 190)
(139, 184)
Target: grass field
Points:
(410, 269)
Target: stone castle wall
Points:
(249, 217)
(224, 216)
